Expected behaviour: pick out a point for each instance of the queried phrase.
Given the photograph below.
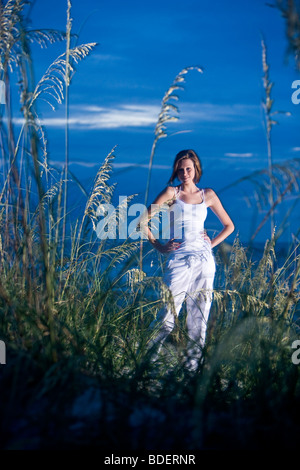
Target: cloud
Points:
(101, 117)
(239, 155)
(115, 165)
(142, 165)
(119, 116)
(211, 112)
(296, 149)
(106, 57)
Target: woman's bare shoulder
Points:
(209, 192)
(210, 196)
(172, 190)
(165, 195)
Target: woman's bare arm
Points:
(166, 195)
(212, 201)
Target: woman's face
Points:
(186, 171)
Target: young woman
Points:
(190, 267)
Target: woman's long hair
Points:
(183, 155)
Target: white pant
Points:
(189, 278)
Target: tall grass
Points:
(269, 114)
(75, 311)
(290, 10)
(169, 112)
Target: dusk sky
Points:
(116, 93)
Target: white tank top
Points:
(188, 226)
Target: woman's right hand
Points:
(171, 245)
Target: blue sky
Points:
(116, 92)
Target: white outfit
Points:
(189, 275)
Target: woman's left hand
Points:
(206, 238)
